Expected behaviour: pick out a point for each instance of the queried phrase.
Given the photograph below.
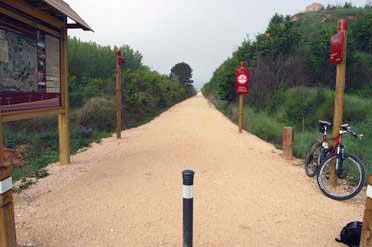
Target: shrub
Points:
(264, 126)
(300, 103)
(98, 113)
(357, 109)
(302, 141)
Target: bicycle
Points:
(321, 157)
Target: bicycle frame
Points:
(337, 148)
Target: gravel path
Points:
(129, 192)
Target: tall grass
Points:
(301, 108)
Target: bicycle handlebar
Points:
(352, 132)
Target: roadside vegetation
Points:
(292, 83)
(146, 94)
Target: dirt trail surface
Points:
(129, 192)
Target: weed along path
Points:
(129, 192)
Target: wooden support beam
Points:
(73, 26)
(241, 112)
(288, 137)
(7, 220)
(339, 103)
(15, 116)
(118, 100)
(63, 118)
(366, 238)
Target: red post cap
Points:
(342, 25)
(119, 58)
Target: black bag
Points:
(350, 234)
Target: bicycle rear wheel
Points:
(312, 158)
(350, 179)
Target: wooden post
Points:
(241, 112)
(339, 102)
(366, 238)
(63, 118)
(7, 221)
(118, 100)
(288, 136)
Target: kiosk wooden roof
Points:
(63, 8)
(53, 9)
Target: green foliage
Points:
(302, 103)
(265, 126)
(181, 72)
(89, 60)
(296, 53)
(348, 5)
(98, 113)
(265, 55)
(280, 37)
(302, 141)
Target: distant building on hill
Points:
(314, 7)
(295, 18)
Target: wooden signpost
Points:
(288, 137)
(119, 62)
(7, 221)
(242, 79)
(338, 56)
(366, 238)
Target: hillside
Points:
(309, 23)
(292, 81)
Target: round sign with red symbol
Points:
(242, 79)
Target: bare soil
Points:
(129, 192)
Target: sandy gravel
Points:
(129, 192)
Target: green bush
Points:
(98, 113)
(264, 126)
(357, 109)
(302, 141)
(301, 103)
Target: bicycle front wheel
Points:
(312, 158)
(350, 178)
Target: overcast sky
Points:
(202, 33)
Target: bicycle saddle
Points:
(321, 122)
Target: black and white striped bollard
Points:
(188, 201)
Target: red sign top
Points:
(342, 25)
(120, 60)
(242, 78)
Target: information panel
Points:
(29, 67)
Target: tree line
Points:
(92, 75)
(296, 53)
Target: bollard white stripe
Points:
(188, 191)
(6, 185)
(369, 191)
